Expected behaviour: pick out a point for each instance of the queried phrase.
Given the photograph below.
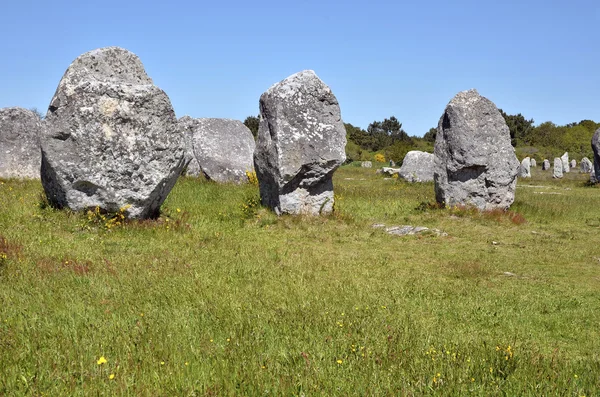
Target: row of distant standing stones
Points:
(110, 139)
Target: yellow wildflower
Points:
(102, 360)
(339, 361)
(111, 376)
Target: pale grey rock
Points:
(111, 138)
(596, 150)
(407, 230)
(223, 148)
(390, 171)
(417, 166)
(585, 166)
(573, 164)
(593, 178)
(20, 131)
(546, 165)
(301, 142)
(558, 168)
(525, 168)
(392, 163)
(532, 162)
(366, 164)
(192, 168)
(475, 163)
(565, 162)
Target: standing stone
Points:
(596, 150)
(366, 164)
(20, 131)
(301, 142)
(533, 162)
(223, 148)
(192, 167)
(546, 165)
(573, 163)
(565, 162)
(558, 168)
(593, 176)
(475, 163)
(525, 168)
(585, 167)
(417, 166)
(111, 138)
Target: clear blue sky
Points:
(380, 58)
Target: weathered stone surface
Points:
(223, 148)
(392, 163)
(366, 164)
(20, 131)
(573, 163)
(593, 176)
(596, 150)
(475, 164)
(111, 139)
(585, 167)
(565, 162)
(390, 171)
(417, 166)
(301, 142)
(546, 165)
(192, 167)
(525, 168)
(532, 162)
(558, 168)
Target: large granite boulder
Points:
(558, 168)
(565, 162)
(20, 131)
(533, 162)
(222, 148)
(525, 168)
(546, 165)
(192, 168)
(596, 150)
(111, 138)
(475, 164)
(301, 142)
(585, 166)
(417, 166)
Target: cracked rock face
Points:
(596, 150)
(222, 148)
(111, 138)
(417, 166)
(475, 163)
(301, 142)
(20, 131)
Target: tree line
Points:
(544, 141)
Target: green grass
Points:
(220, 297)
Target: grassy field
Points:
(220, 297)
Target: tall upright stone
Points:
(111, 139)
(558, 168)
(585, 166)
(417, 166)
(525, 168)
(475, 163)
(222, 148)
(565, 162)
(573, 163)
(20, 131)
(533, 162)
(546, 165)
(301, 142)
(596, 150)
